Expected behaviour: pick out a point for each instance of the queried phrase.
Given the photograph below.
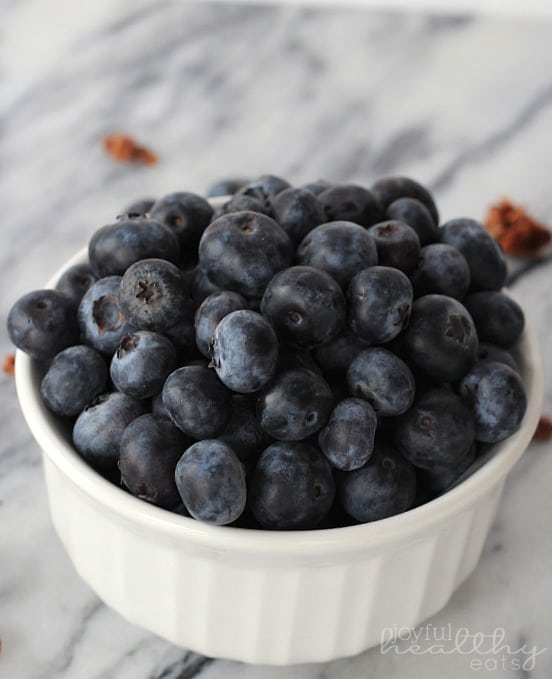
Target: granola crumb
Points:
(518, 233)
(125, 149)
(543, 431)
(9, 365)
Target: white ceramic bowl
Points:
(261, 596)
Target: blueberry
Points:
(397, 245)
(244, 351)
(380, 301)
(225, 187)
(441, 269)
(291, 488)
(158, 407)
(113, 248)
(101, 319)
(495, 395)
(305, 305)
(209, 314)
(490, 352)
(197, 402)
(150, 448)
(142, 362)
(292, 357)
(182, 333)
(414, 213)
(335, 357)
(441, 338)
(348, 439)
(384, 486)
(389, 189)
(75, 376)
(42, 323)
(438, 430)
(381, 378)
(211, 482)
(350, 203)
(75, 281)
(139, 207)
(483, 254)
(243, 433)
(241, 203)
(242, 252)
(201, 286)
(317, 186)
(498, 318)
(99, 429)
(441, 477)
(342, 249)
(187, 215)
(153, 295)
(296, 404)
(297, 211)
(265, 188)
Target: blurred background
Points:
(460, 101)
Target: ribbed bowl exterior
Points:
(260, 608)
(260, 596)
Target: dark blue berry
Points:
(244, 351)
(380, 301)
(241, 203)
(381, 378)
(297, 211)
(414, 213)
(495, 395)
(317, 186)
(113, 248)
(101, 319)
(389, 189)
(441, 269)
(384, 486)
(291, 488)
(242, 252)
(99, 429)
(197, 402)
(292, 357)
(75, 281)
(498, 318)
(348, 439)
(243, 433)
(42, 323)
(142, 362)
(336, 356)
(265, 188)
(296, 404)
(150, 448)
(397, 245)
(201, 286)
(483, 254)
(211, 312)
(211, 482)
(490, 352)
(153, 295)
(187, 215)
(305, 305)
(75, 377)
(441, 477)
(350, 203)
(438, 430)
(225, 187)
(441, 338)
(342, 249)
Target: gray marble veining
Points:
(462, 103)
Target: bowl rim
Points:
(331, 541)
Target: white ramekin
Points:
(261, 596)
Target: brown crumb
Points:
(124, 149)
(543, 431)
(516, 231)
(9, 364)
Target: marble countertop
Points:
(463, 104)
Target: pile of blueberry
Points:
(301, 357)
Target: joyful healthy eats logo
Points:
(486, 652)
